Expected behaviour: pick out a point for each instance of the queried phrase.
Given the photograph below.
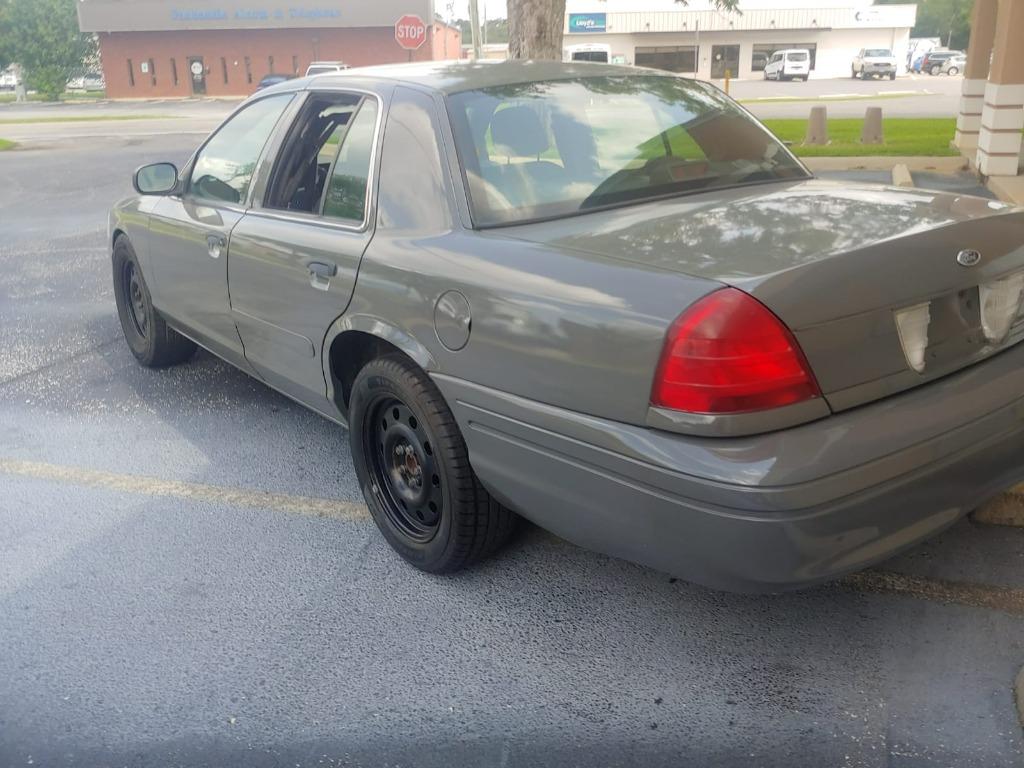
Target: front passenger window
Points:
(224, 167)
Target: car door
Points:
(190, 233)
(295, 255)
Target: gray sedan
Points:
(603, 298)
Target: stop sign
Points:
(410, 32)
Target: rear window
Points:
(878, 52)
(797, 56)
(554, 148)
(320, 70)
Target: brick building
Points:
(161, 48)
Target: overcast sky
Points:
(459, 9)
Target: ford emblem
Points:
(968, 258)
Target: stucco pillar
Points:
(972, 91)
(1002, 116)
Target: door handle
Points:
(322, 269)
(215, 245)
(320, 274)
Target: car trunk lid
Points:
(840, 264)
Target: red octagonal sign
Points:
(410, 32)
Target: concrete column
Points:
(1002, 117)
(972, 91)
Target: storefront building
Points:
(698, 38)
(168, 48)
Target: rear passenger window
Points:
(350, 177)
(324, 167)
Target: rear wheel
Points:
(413, 466)
(154, 343)
(935, 69)
(892, 75)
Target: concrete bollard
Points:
(817, 127)
(872, 131)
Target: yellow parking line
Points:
(152, 486)
(968, 594)
(965, 593)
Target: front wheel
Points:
(154, 343)
(413, 467)
(952, 71)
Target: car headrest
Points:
(519, 129)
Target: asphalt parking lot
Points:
(188, 577)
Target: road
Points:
(187, 577)
(908, 96)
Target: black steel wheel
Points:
(154, 343)
(413, 467)
(132, 286)
(405, 475)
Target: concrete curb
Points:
(1009, 189)
(901, 176)
(1005, 509)
(885, 163)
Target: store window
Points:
(762, 51)
(671, 58)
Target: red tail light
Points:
(728, 353)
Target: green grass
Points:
(826, 99)
(928, 137)
(5, 145)
(80, 119)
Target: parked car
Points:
(789, 64)
(933, 60)
(325, 67)
(661, 338)
(954, 65)
(873, 62)
(91, 83)
(270, 80)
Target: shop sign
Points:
(588, 22)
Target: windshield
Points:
(879, 52)
(554, 148)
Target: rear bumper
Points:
(765, 513)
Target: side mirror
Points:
(156, 179)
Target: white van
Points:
(599, 52)
(788, 64)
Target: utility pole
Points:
(474, 22)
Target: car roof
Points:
(455, 76)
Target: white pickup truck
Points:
(873, 62)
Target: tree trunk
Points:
(535, 29)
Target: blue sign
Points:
(253, 14)
(587, 22)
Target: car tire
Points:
(952, 71)
(936, 69)
(853, 73)
(414, 471)
(154, 343)
(892, 75)
(864, 75)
